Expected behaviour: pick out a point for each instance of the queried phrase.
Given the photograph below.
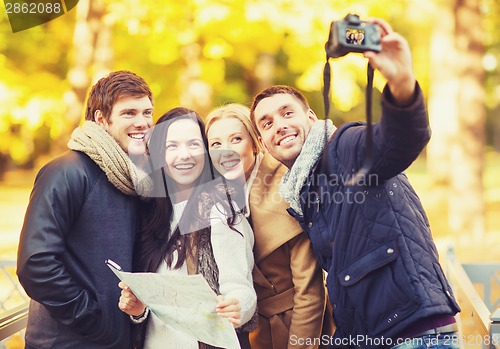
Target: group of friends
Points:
(246, 197)
(354, 36)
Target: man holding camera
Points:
(385, 283)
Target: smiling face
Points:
(283, 123)
(185, 154)
(128, 123)
(231, 148)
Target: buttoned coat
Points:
(288, 280)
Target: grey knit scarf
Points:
(94, 141)
(294, 179)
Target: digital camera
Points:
(352, 35)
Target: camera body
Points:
(352, 35)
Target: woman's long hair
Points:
(156, 242)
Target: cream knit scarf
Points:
(94, 141)
(294, 179)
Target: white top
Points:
(234, 257)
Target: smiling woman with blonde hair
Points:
(291, 297)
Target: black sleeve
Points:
(54, 205)
(398, 139)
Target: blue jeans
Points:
(433, 341)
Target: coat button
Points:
(310, 224)
(394, 185)
(378, 195)
(347, 278)
(390, 251)
(391, 192)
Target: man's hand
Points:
(394, 62)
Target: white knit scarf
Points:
(94, 141)
(294, 179)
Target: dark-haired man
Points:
(84, 209)
(373, 238)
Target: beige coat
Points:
(291, 296)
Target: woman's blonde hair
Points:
(237, 111)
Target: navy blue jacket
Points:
(75, 220)
(373, 239)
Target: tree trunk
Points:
(457, 115)
(467, 152)
(92, 55)
(443, 107)
(194, 92)
(262, 75)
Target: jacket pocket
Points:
(378, 289)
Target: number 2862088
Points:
(34, 8)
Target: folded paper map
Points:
(185, 302)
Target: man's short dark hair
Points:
(109, 89)
(274, 90)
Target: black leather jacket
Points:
(75, 220)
